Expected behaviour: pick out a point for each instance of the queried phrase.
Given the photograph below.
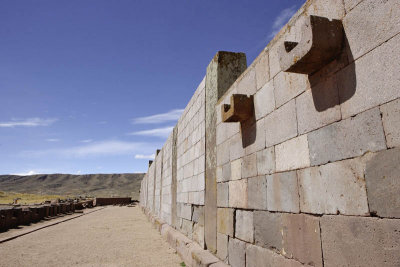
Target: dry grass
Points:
(8, 198)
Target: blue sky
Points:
(95, 86)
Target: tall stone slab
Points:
(222, 71)
(174, 218)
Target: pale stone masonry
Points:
(312, 177)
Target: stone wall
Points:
(309, 175)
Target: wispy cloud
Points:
(52, 140)
(104, 148)
(172, 115)
(158, 132)
(141, 156)
(282, 18)
(31, 122)
(31, 172)
(87, 141)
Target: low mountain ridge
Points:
(99, 185)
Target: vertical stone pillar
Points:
(222, 72)
(174, 218)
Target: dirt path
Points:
(114, 236)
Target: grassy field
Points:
(8, 198)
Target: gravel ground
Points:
(114, 236)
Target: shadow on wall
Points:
(335, 83)
(248, 129)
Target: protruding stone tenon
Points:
(240, 109)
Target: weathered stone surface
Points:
(264, 100)
(292, 154)
(326, 8)
(198, 215)
(246, 83)
(236, 169)
(289, 85)
(237, 252)
(226, 172)
(198, 234)
(391, 122)
(262, 69)
(236, 149)
(244, 225)
(222, 195)
(267, 229)
(203, 258)
(319, 106)
(383, 183)
(219, 264)
(360, 241)
(223, 153)
(348, 138)
(238, 194)
(257, 195)
(371, 80)
(262, 257)
(266, 161)
(254, 137)
(370, 24)
(239, 109)
(350, 4)
(249, 166)
(225, 221)
(282, 192)
(281, 124)
(334, 188)
(222, 247)
(185, 211)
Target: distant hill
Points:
(100, 185)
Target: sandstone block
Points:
(257, 187)
(267, 229)
(371, 80)
(224, 172)
(223, 153)
(350, 4)
(262, 69)
(244, 226)
(236, 169)
(222, 247)
(391, 122)
(289, 85)
(264, 100)
(383, 183)
(249, 166)
(360, 241)
(225, 221)
(266, 161)
(203, 258)
(246, 83)
(337, 187)
(222, 195)
(236, 147)
(198, 234)
(238, 194)
(237, 252)
(198, 215)
(281, 124)
(292, 154)
(261, 257)
(282, 192)
(319, 106)
(348, 138)
(186, 211)
(254, 137)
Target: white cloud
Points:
(104, 148)
(87, 141)
(282, 19)
(31, 172)
(141, 156)
(31, 122)
(172, 115)
(158, 132)
(52, 140)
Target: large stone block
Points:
(198, 215)
(238, 194)
(370, 24)
(222, 247)
(281, 124)
(262, 257)
(319, 106)
(236, 169)
(360, 241)
(266, 161)
(267, 229)
(371, 80)
(264, 100)
(246, 83)
(262, 69)
(236, 147)
(198, 234)
(254, 137)
(289, 85)
(237, 252)
(391, 122)
(383, 183)
(334, 188)
(225, 221)
(249, 166)
(292, 154)
(223, 153)
(244, 226)
(223, 194)
(348, 138)
(226, 172)
(350, 4)
(257, 192)
(282, 192)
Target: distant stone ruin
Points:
(295, 159)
